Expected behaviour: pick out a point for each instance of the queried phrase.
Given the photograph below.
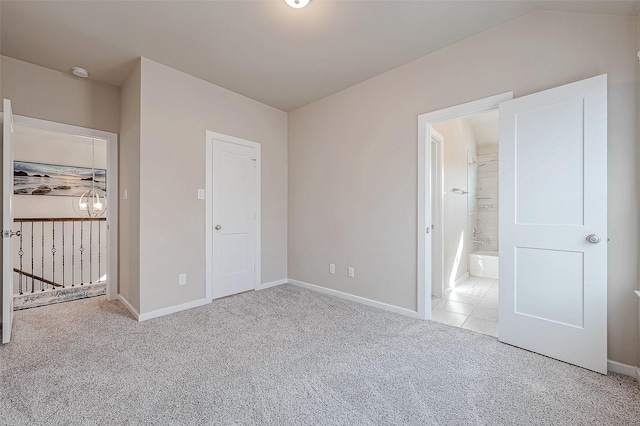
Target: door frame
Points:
(112, 182)
(437, 215)
(425, 245)
(211, 137)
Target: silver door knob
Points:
(218, 227)
(593, 238)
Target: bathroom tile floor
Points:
(472, 305)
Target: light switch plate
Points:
(352, 272)
(332, 268)
(200, 194)
(182, 279)
(126, 193)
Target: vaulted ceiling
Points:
(265, 50)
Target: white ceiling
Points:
(265, 50)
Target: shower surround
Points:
(484, 211)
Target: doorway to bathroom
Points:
(552, 219)
(464, 184)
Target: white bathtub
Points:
(483, 264)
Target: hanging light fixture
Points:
(297, 4)
(91, 203)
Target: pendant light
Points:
(91, 203)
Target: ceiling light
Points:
(297, 3)
(80, 72)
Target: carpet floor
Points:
(287, 356)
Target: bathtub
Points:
(483, 264)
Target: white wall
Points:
(353, 166)
(176, 110)
(458, 144)
(129, 209)
(43, 93)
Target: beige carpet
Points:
(286, 356)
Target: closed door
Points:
(235, 203)
(7, 222)
(553, 223)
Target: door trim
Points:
(211, 137)
(112, 182)
(425, 249)
(437, 218)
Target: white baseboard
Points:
(353, 298)
(129, 306)
(638, 375)
(173, 309)
(271, 284)
(461, 279)
(620, 368)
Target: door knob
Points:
(218, 227)
(593, 238)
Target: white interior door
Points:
(235, 203)
(553, 223)
(7, 221)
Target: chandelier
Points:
(93, 202)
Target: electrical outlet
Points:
(332, 268)
(352, 272)
(182, 279)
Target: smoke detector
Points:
(80, 72)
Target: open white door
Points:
(553, 223)
(7, 222)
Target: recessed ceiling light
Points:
(80, 72)
(297, 3)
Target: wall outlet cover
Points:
(332, 268)
(182, 279)
(352, 272)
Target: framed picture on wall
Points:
(52, 179)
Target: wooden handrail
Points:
(58, 219)
(44, 280)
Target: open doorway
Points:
(552, 219)
(465, 211)
(63, 217)
(442, 269)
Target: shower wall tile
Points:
(484, 215)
